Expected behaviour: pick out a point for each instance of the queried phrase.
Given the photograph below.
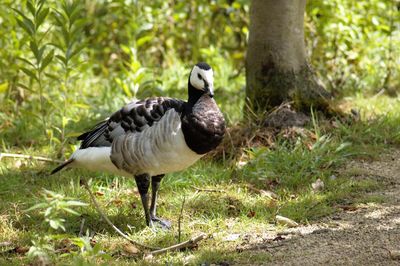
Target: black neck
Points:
(194, 94)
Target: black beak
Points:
(209, 90)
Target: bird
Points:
(149, 138)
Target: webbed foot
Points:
(165, 224)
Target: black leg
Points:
(155, 185)
(143, 183)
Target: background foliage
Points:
(63, 63)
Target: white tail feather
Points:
(96, 159)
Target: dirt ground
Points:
(366, 235)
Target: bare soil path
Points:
(366, 235)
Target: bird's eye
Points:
(199, 76)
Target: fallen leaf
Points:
(17, 163)
(188, 259)
(278, 238)
(309, 146)
(99, 193)
(268, 194)
(318, 185)
(131, 249)
(394, 254)
(312, 135)
(347, 207)
(251, 214)
(281, 220)
(241, 163)
(231, 237)
(21, 250)
(264, 193)
(148, 257)
(117, 202)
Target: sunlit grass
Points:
(375, 105)
(288, 169)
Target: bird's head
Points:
(201, 80)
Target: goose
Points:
(149, 138)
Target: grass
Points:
(288, 169)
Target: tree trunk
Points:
(276, 65)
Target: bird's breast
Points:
(204, 126)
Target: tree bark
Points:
(276, 65)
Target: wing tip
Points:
(83, 136)
(61, 166)
(91, 136)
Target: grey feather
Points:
(157, 148)
(134, 117)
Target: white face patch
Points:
(198, 76)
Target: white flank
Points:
(160, 149)
(96, 159)
(174, 156)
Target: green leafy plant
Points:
(41, 249)
(70, 23)
(53, 207)
(134, 76)
(352, 45)
(87, 251)
(42, 55)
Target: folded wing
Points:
(132, 118)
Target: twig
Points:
(30, 157)
(208, 189)
(188, 243)
(156, 250)
(254, 189)
(81, 228)
(110, 223)
(180, 219)
(5, 244)
(259, 247)
(262, 192)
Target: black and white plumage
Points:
(152, 137)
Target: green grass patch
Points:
(288, 169)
